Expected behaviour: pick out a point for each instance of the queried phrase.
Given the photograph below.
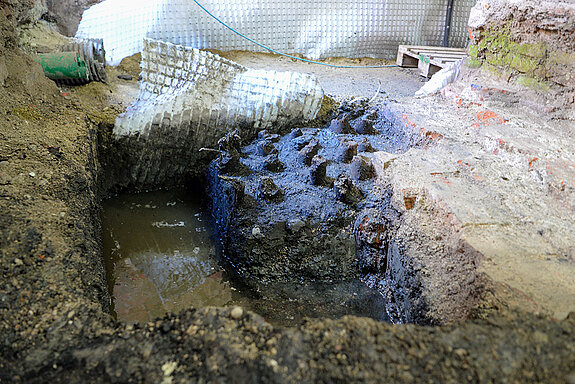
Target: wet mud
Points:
(304, 207)
(160, 257)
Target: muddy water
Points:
(159, 255)
(160, 258)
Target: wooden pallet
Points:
(428, 60)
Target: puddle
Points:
(160, 257)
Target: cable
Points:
(285, 54)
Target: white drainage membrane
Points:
(205, 95)
(189, 99)
(315, 29)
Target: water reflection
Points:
(159, 255)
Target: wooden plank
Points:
(428, 60)
(406, 58)
(446, 49)
(439, 54)
(438, 50)
(428, 69)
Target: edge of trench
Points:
(61, 333)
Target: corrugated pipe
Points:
(77, 63)
(61, 66)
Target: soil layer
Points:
(54, 320)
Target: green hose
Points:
(64, 66)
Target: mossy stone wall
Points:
(532, 62)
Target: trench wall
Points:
(528, 42)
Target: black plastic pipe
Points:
(447, 28)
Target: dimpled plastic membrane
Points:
(316, 29)
(186, 88)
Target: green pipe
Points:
(64, 66)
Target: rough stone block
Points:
(265, 147)
(317, 172)
(268, 190)
(346, 191)
(346, 151)
(362, 168)
(364, 126)
(341, 125)
(307, 153)
(365, 146)
(273, 164)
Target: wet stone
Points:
(365, 146)
(307, 153)
(346, 151)
(295, 133)
(230, 164)
(364, 127)
(362, 168)
(229, 147)
(268, 190)
(274, 138)
(262, 134)
(230, 142)
(341, 125)
(346, 191)
(300, 141)
(370, 227)
(265, 135)
(273, 164)
(295, 225)
(237, 185)
(265, 147)
(317, 172)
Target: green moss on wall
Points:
(474, 63)
(534, 65)
(473, 51)
(536, 51)
(533, 83)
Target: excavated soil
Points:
(54, 320)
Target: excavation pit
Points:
(54, 305)
(160, 257)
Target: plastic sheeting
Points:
(189, 99)
(202, 93)
(315, 29)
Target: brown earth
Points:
(54, 322)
